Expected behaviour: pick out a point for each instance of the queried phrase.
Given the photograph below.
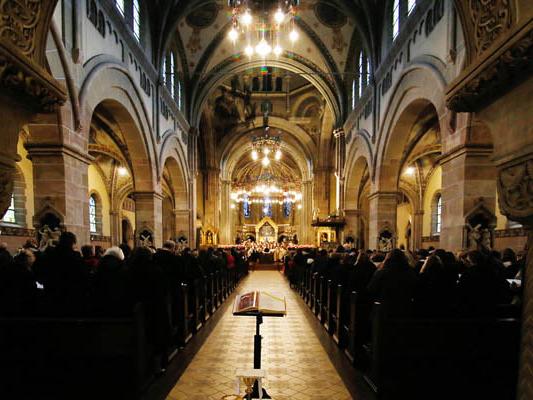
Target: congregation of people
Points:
(429, 283)
(60, 281)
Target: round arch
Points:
(413, 93)
(109, 85)
(230, 67)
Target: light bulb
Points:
(409, 171)
(255, 156)
(246, 18)
(233, 34)
(265, 161)
(122, 171)
(249, 51)
(293, 36)
(232, 206)
(279, 16)
(263, 48)
(278, 155)
(278, 50)
(266, 151)
(299, 206)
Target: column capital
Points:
(383, 195)
(484, 150)
(338, 133)
(57, 149)
(147, 195)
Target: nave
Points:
(297, 365)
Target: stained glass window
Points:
(411, 4)
(92, 214)
(136, 19)
(246, 208)
(287, 208)
(119, 4)
(395, 19)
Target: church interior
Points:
(366, 165)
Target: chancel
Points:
(368, 164)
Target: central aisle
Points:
(296, 364)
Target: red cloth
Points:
(231, 261)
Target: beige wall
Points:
(403, 217)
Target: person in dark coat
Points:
(433, 295)
(18, 287)
(65, 278)
(481, 287)
(110, 294)
(394, 284)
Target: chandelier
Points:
(266, 190)
(263, 33)
(266, 145)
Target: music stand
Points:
(257, 345)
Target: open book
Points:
(263, 302)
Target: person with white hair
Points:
(110, 285)
(115, 251)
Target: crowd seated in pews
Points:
(62, 283)
(418, 321)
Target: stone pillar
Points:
(321, 191)
(467, 174)
(212, 197)
(353, 224)
(149, 215)
(181, 222)
(382, 213)
(192, 154)
(60, 186)
(305, 235)
(116, 227)
(225, 213)
(340, 161)
(417, 229)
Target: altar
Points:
(266, 231)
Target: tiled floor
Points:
(297, 366)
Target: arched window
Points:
(368, 71)
(395, 19)
(172, 81)
(360, 71)
(164, 70)
(92, 214)
(354, 92)
(255, 84)
(437, 214)
(119, 4)
(411, 4)
(10, 216)
(136, 19)
(179, 93)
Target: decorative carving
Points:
(515, 189)
(483, 84)
(490, 19)
(18, 21)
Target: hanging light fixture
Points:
(263, 32)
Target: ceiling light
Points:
(265, 161)
(123, 171)
(266, 151)
(278, 50)
(232, 206)
(299, 206)
(410, 171)
(279, 16)
(278, 155)
(263, 48)
(246, 18)
(293, 36)
(249, 51)
(255, 156)
(233, 34)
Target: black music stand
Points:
(257, 345)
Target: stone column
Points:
(417, 229)
(181, 222)
(225, 213)
(60, 186)
(116, 227)
(212, 197)
(467, 175)
(305, 235)
(321, 191)
(192, 154)
(382, 213)
(149, 215)
(353, 223)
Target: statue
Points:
(145, 239)
(385, 244)
(316, 213)
(474, 236)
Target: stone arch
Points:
(414, 92)
(109, 85)
(230, 67)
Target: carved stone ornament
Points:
(24, 27)
(515, 189)
(481, 84)
(490, 19)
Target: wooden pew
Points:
(74, 357)
(444, 358)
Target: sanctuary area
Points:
(287, 199)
